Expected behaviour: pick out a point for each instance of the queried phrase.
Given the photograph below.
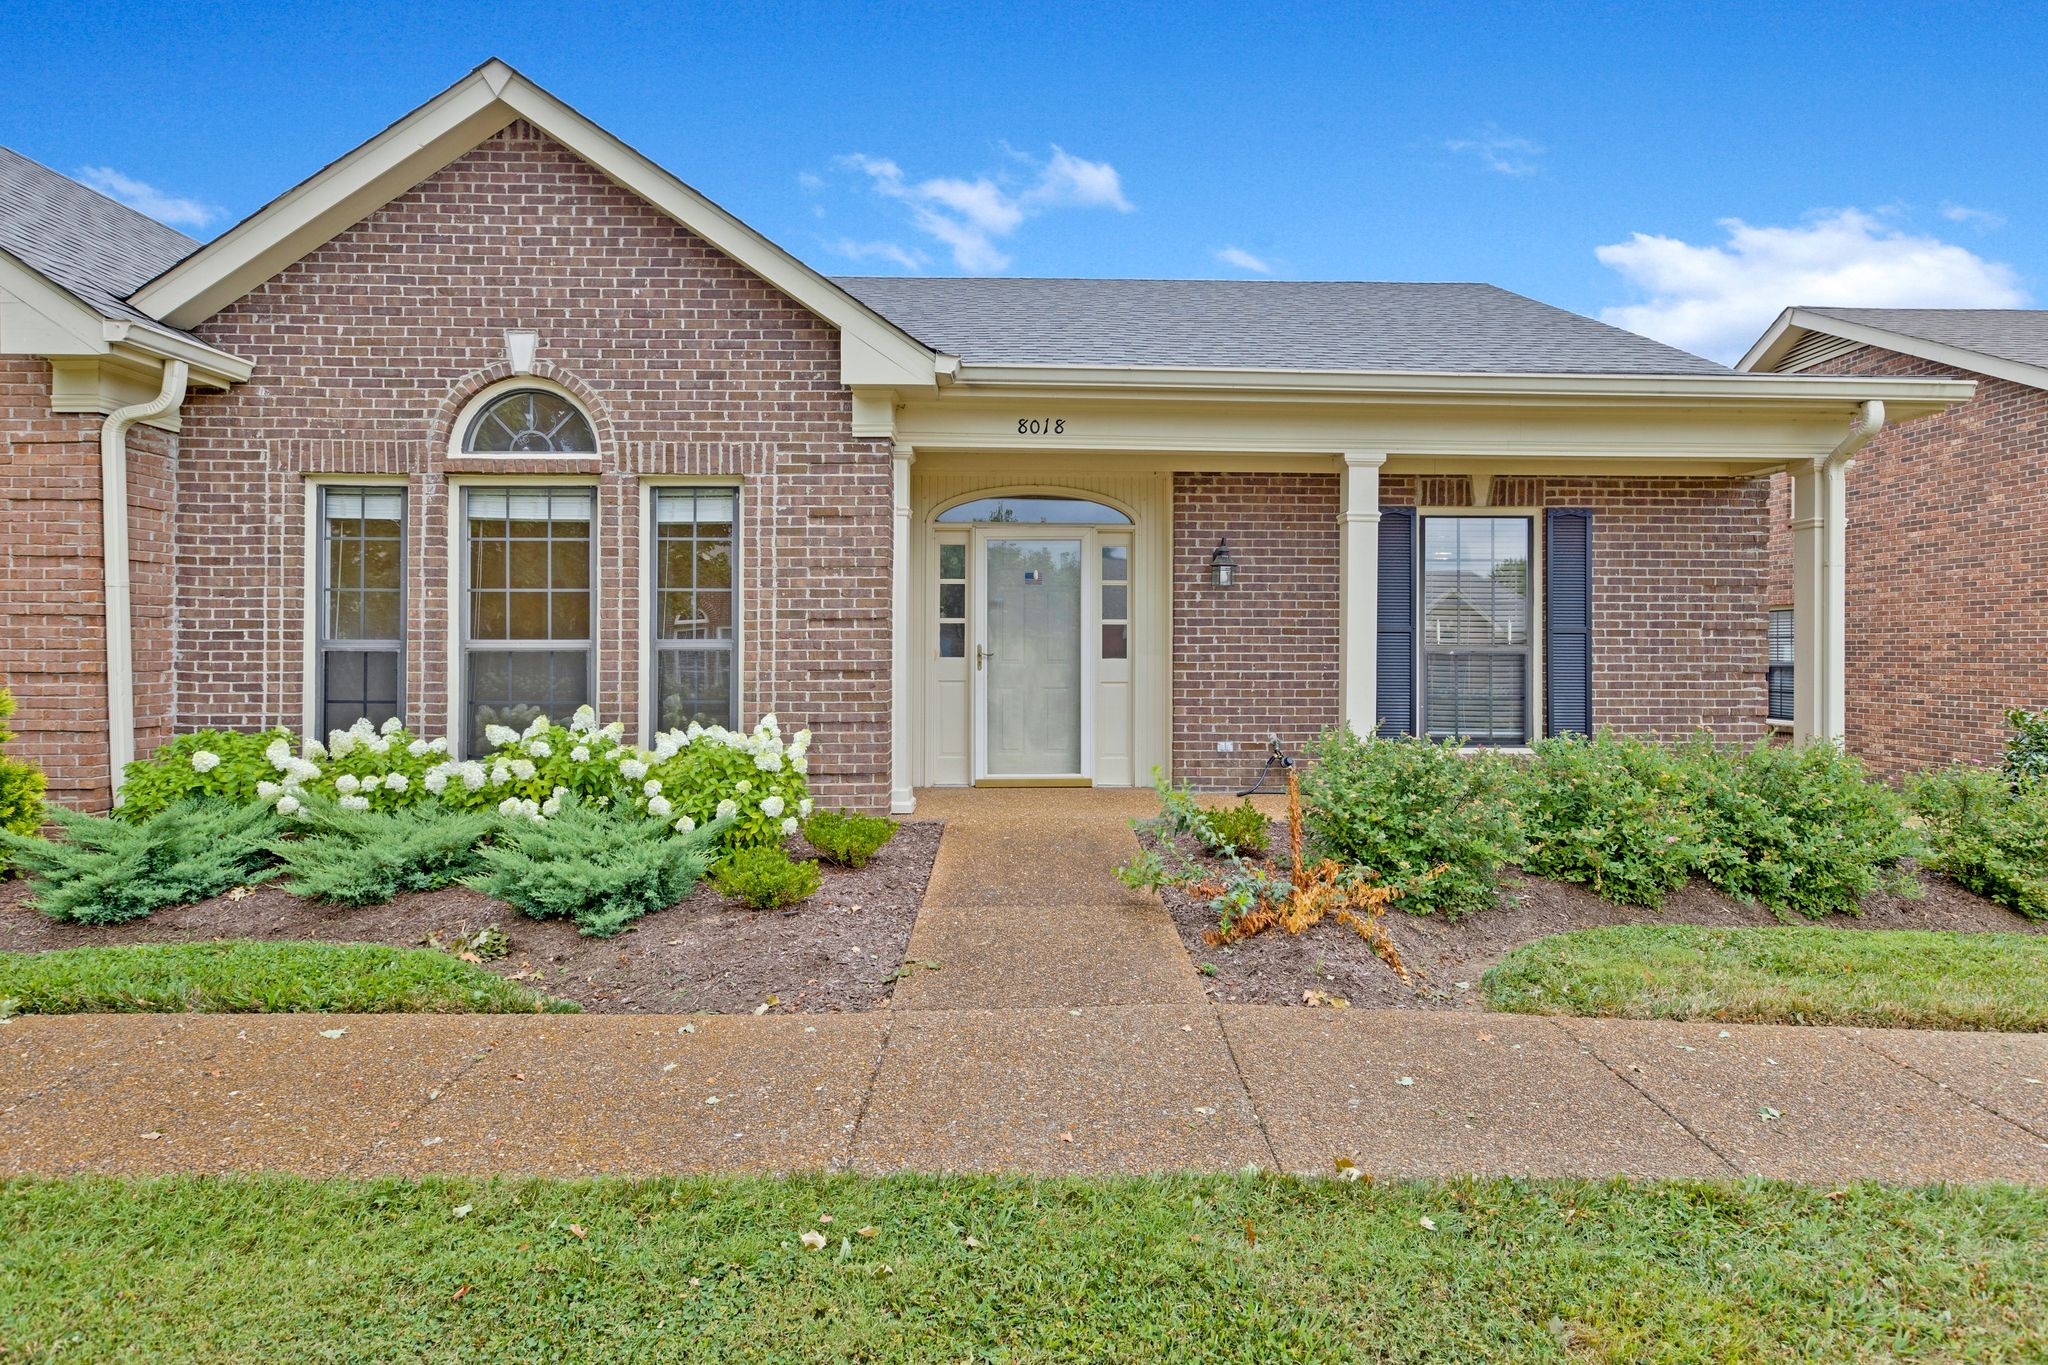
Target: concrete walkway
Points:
(1063, 1031)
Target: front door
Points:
(1031, 672)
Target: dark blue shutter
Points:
(1568, 637)
(1396, 658)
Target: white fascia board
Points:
(1794, 323)
(39, 317)
(872, 351)
(1907, 397)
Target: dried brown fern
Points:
(1327, 888)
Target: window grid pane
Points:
(952, 601)
(1778, 678)
(1475, 615)
(528, 642)
(359, 623)
(696, 606)
(1116, 601)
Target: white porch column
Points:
(902, 607)
(1358, 588)
(1819, 601)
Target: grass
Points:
(239, 976)
(1180, 1268)
(1883, 978)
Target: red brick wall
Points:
(1947, 571)
(1678, 606)
(367, 348)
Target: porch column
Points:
(1358, 588)
(1819, 600)
(902, 800)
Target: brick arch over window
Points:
(443, 436)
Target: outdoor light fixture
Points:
(1222, 568)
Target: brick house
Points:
(494, 416)
(1946, 542)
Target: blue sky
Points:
(1683, 170)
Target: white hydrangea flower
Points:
(551, 805)
(659, 808)
(279, 753)
(287, 805)
(347, 783)
(768, 725)
(651, 787)
(728, 808)
(436, 780)
(509, 806)
(538, 727)
(523, 769)
(419, 748)
(500, 773)
(313, 748)
(340, 742)
(789, 826)
(377, 744)
(498, 736)
(695, 731)
(615, 731)
(685, 825)
(801, 742)
(205, 761)
(439, 744)
(742, 787)
(800, 764)
(580, 754)
(585, 719)
(803, 808)
(539, 748)
(392, 726)
(768, 761)
(772, 807)
(632, 769)
(300, 770)
(354, 803)
(268, 791)
(472, 774)
(396, 782)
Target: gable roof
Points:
(1350, 326)
(2010, 343)
(92, 247)
(481, 104)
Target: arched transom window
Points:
(530, 422)
(1037, 509)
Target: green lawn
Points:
(1186, 1268)
(1885, 978)
(242, 976)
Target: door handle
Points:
(981, 655)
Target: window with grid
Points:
(953, 600)
(696, 607)
(527, 629)
(359, 645)
(1475, 615)
(1778, 683)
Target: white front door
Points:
(1033, 676)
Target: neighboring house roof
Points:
(1357, 326)
(94, 248)
(2010, 343)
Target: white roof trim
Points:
(873, 350)
(1794, 323)
(40, 317)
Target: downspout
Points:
(114, 559)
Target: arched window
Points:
(530, 422)
(1036, 510)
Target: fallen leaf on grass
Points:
(1347, 1169)
(814, 1240)
(824, 1218)
(870, 1232)
(456, 1297)
(463, 1210)
(1428, 1223)
(972, 1244)
(576, 1231)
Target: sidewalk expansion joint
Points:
(867, 1095)
(469, 1063)
(1695, 1134)
(1237, 1070)
(1856, 1037)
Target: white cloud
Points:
(143, 197)
(1499, 152)
(1243, 260)
(1716, 300)
(877, 251)
(1977, 218)
(971, 216)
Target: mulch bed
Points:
(1448, 957)
(834, 952)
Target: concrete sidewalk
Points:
(1089, 1089)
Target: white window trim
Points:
(309, 661)
(650, 485)
(491, 393)
(1780, 724)
(457, 529)
(1539, 634)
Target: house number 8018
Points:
(1041, 426)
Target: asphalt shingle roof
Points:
(2009, 333)
(1261, 324)
(99, 250)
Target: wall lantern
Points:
(1222, 568)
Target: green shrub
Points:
(1242, 827)
(21, 785)
(602, 869)
(365, 857)
(846, 838)
(220, 764)
(1609, 812)
(1431, 822)
(2026, 749)
(765, 878)
(105, 871)
(1811, 832)
(1986, 835)
(531, 773)
(755, 782)
(239, 976)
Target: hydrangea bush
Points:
(364, 767)
(215, 763)
(528, 774)
(708, 773)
